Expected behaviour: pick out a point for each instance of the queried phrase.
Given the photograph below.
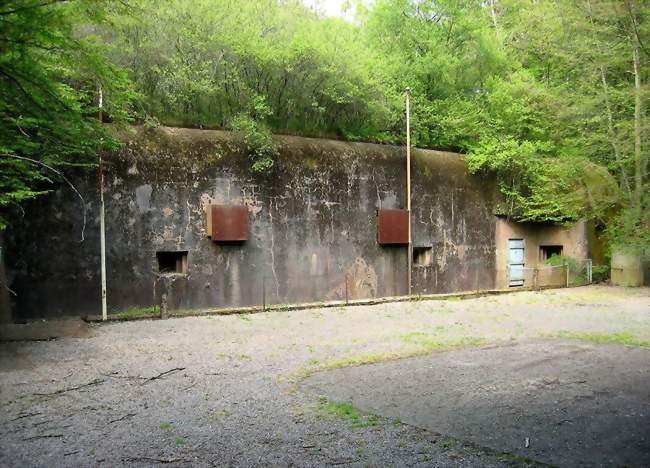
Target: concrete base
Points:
(44, 330)
(627, 270)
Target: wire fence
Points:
(573, 272)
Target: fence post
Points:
(535, 275)
(346, 288)
(263, 290)
(164, 312)
(566, 266)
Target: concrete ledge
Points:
(44, 330)
(315, 305)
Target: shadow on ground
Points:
(554, 401)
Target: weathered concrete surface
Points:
(313, 223)
(577, 404)
(628, 269)
(44, 330)
(573, 239)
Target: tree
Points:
(203, 63)
(546, 96)
(48, 80)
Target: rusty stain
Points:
(229, 223)
(392, 227)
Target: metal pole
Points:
(263, 290)
(408, 185)
(102, 224)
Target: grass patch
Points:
(244, 317)
(180, 441)
(623, 338)
(425, 343)
(347, 411)
(435, 341)
(165, 426)
(138, 312)
(358, 360)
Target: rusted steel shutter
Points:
(392, 227)
(229, 223)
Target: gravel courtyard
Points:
(233, 390)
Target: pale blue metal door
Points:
(516, 262)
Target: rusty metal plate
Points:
(392, 227)
(229, 223)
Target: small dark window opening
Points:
(422, 256)
(172, 262)
(548, 251)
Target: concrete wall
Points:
(5, 304)
(312, 224)
(574, 241)
(630, 269)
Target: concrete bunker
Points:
(523, 251)
(229, 238)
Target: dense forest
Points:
(548, 96)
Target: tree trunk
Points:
(612, 134)
(493, 11)
(625, 184)
(638, 107)
(638, 104)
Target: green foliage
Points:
(629, 231)
(137, 312)
(203, 63)
(258, 141)
(577, 268)
(49, 75)
(600, 273)
(440, 340)
(540, 95)
(347, 411)
(623, 338)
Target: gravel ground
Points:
(228, 390)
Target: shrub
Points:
(600, 273)
(258, 141)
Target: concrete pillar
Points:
(627, 269)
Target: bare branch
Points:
(83, 202)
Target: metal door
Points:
(516, 262)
